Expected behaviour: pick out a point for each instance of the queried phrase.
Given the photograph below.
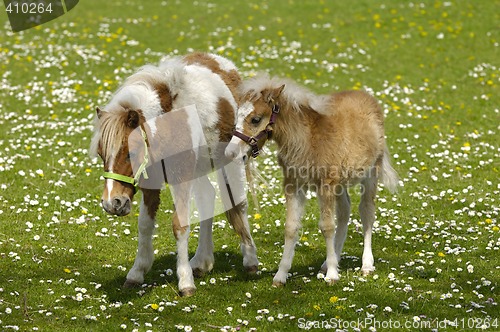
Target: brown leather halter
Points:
(254, 140)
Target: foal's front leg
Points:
(144, 260)
(295, 200)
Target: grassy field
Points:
(432, 64)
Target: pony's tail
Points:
(388, 175)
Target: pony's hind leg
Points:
(145, 255)
(204, 194)
(180, 226)
(326, 198)
(231, 180)
(237, 217)
(343, 211)
(295, 200)
(367, 214)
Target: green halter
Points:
(140, 171)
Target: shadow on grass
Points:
(227, 265)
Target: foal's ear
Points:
(277, 92)
(98, 112)
(133, 119)
(272, 94)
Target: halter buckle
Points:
(252, 141)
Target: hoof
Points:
(131, 284)
(198, 273)
(278, 284)
(187, 292)
(367, 272)
(331, 282)
(252, 269)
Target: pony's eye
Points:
(256, 120)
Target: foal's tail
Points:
(388, 175)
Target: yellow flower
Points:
(154, 306)
(67, 270)
(441, 254)
(257, 216)
(333, 299)
(495, 228)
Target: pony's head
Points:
(255, 118)
(111, 142)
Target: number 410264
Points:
(29, 8)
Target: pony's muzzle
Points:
(119, 205)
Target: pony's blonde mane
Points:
(136, 93)
(293, 96)
(109, 131)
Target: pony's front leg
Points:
(295, 200)
(326, 198)
(180, 225)
(144, 260)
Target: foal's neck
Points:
(292, 128)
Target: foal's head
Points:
(111, 142)
(254, 121)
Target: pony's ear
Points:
(98, 112)
(133, 119)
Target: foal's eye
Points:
(256, 120)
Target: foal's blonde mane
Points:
(293, 96)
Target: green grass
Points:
(433, 65)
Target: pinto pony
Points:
(325, 143)
(149, 102)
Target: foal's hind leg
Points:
(231, 180)
(145, 255)
(367, 214)
(204, 194)
(343, 211)
(326, 198)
